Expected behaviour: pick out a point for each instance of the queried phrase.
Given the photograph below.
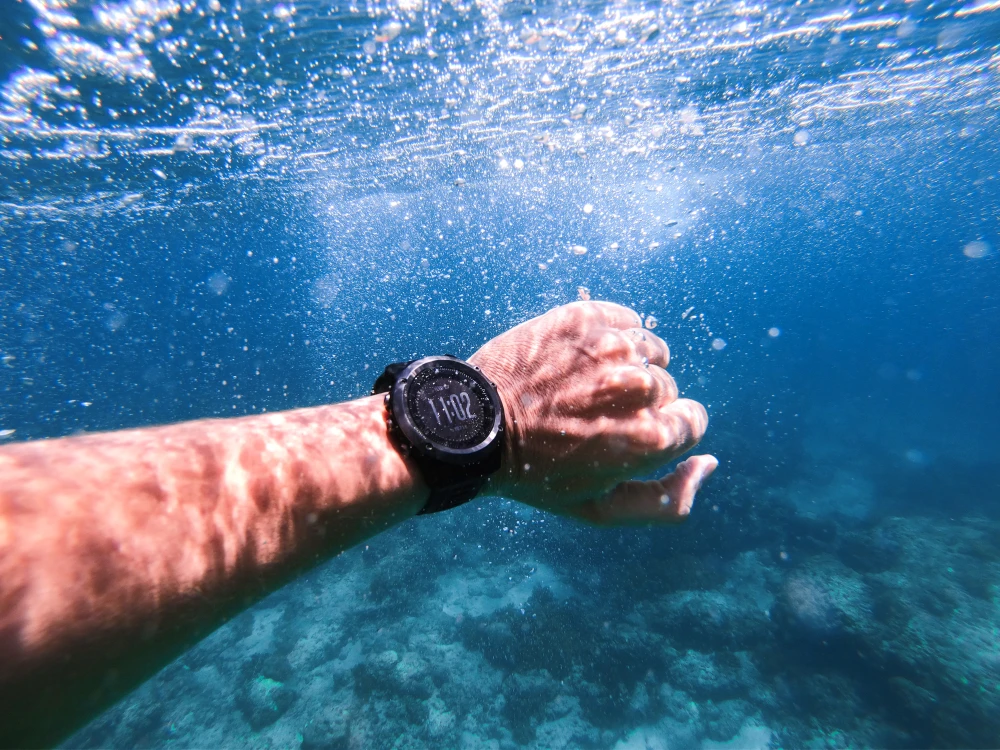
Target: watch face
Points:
(450, 407)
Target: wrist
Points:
(396, 472)
(503, 481)
(446, 416)
(346, 453)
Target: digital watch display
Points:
(447, 416)
(450, 408)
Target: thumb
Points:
(666, 500)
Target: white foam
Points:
(128, 17)
(118, 62)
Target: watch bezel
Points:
(426, 445)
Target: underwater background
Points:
(225, 207)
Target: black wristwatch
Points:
(447, 416)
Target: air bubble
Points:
(218, 282)
(977, 249)
(649, 33)
(389, 31)
(183, 142)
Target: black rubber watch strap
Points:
(446, 498)
(385, 381)
(452, 486)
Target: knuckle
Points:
(664, 350)
(573, 320)
(578, 309)
(649, 436)
(615, 315)
(650, 346)
(689, 421)
(665, 438)
(609, 345)
(609, 307)
(646, 383)
(638, 382)
(669, 386)
(621, 391)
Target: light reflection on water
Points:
(400, 92)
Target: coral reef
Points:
(766, 621)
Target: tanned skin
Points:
(119, 551)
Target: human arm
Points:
(118, 551)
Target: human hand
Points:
(589, 404)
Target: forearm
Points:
(122, 549)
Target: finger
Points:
(606, 313)
(685, 422)
(628, 388)
(667, 500)
(662, 434)
(668, 386)
(649, 346)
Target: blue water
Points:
(221, 208)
